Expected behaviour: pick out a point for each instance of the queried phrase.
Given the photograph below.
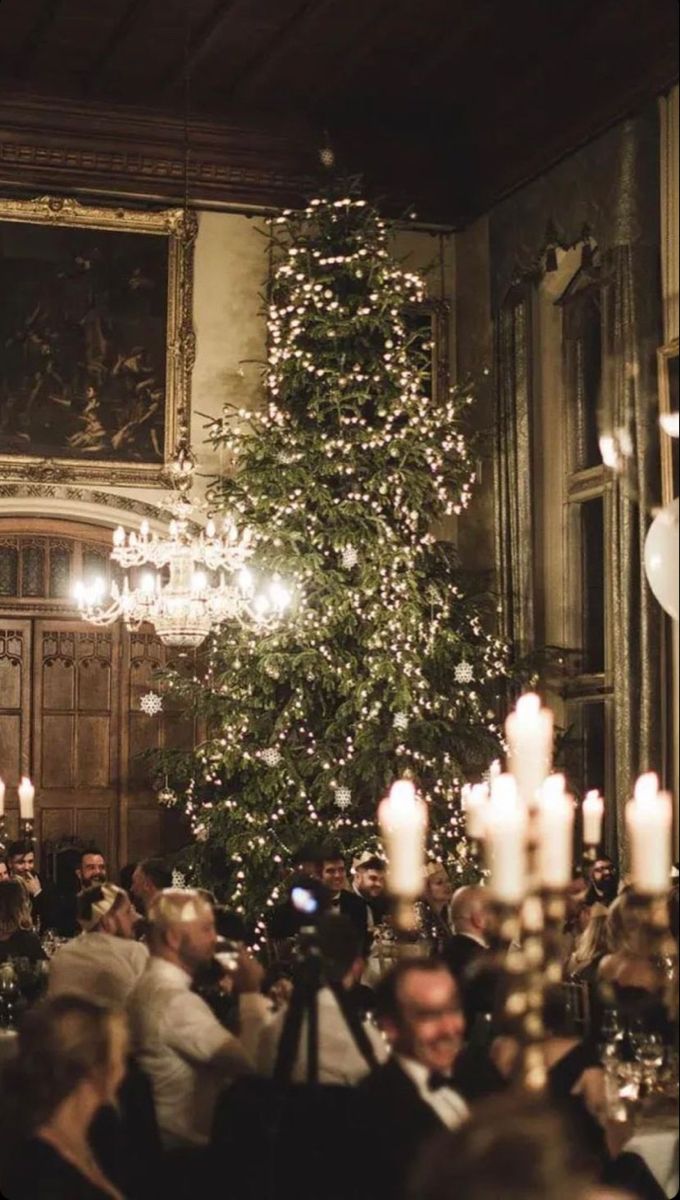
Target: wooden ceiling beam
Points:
(347, 67)
(127, 21)
(199, 46)
(34, 37)
(276, 47)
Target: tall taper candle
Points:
(555, 834)
(529, 731)
(26, 793)
(506, 841)
(593, 815)
(403, 823)
(649, 816)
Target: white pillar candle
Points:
(506, 841)
(555, 833)
(649, 817)
(403, 823)
(593, 815)
(26, 793)
(2, 797)
(475, 800)
(529, 731)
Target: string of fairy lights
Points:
(341, 477)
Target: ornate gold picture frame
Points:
(667, 359)
(97, 344)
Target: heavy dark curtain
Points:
(613, 186)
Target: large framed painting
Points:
(96, 340)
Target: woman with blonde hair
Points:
(591, 947)
(433, 909)
(70, 1063)
(18, 938)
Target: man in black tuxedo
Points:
(467, 953)
(411, 1098)
(334, 877)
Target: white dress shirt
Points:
(340, 1061)
(188, 1056)
(97, 966)
(449, 1106)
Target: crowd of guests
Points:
(165, 1054)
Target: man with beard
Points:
(368, 882)
(91, 870)
(185, 1051)
(418, 1008)
(604, 882)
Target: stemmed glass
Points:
(649, 1051)
(49, 942)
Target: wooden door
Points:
(76, 742)
(70, 712)
(15, 709)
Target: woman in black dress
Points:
(70, 1063)
(18, 938)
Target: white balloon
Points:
(661, 558)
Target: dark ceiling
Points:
(446, 104)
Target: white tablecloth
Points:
(658, 1144)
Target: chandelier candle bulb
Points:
(26, 793)
(555, 834)
(593, 816)
(649, 817)
(529, 731)
(403, 823)
(506, 841)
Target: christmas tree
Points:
(384, 665)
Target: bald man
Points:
(467, 952)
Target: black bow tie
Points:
(437, 1081)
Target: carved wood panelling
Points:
(15, 682)
(70, 717)
(75, 730)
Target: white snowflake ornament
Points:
(271, 757)
(343, 798)
(167, 797)
(464, 672)
(151, 704)
(178, 879)
(349, 557)
(401, 720)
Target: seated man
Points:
(467, 954)
(149, 878)
(21, 865)
(106, 962)
(341, 1060)
(334, 877)
(412, 1097)
(179, 1043)
(91, 870)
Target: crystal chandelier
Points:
(197, 580)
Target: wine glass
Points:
(648, 1049)
(49, 942)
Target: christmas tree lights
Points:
(341, 477)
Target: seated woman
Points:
(70, 1063)
(433, 909)
(629, 979)
(18, 938)
(591, 947)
